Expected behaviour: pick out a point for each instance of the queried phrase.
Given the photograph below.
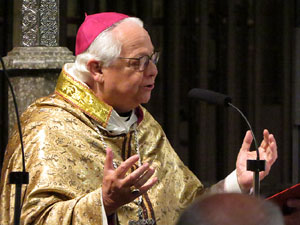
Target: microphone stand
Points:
(17, 178)
(257, 165)
(212, 97)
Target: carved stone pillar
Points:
(35, 65)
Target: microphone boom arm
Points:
(255, 165)
(212, 97)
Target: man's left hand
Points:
(267, 151)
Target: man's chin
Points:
(146, 100)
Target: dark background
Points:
(244, 48)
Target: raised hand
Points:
(267, 151)
(117, 187)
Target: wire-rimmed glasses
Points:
(142, 62)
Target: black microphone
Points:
(209, 96)
(220, 99)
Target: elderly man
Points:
(94, 154)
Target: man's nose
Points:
(151, 69)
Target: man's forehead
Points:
(126, 28)
(133, 36)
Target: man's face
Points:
(124, 86)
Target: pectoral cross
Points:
(141, 220)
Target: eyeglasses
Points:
(142, 62)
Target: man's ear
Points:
(95, 68)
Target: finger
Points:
(265, 141)
(247, 141)
(273, 153)
(108, 165)
(266, 135)
(271, 150)
(272, 141)
(126, 165)
(146, 176)
(133, 177)
(269, 156)
(148, 185)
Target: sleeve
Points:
(83, 210)
(229, 184)
(65, 178)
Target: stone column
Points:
(35, 65)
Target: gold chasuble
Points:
(64, 136)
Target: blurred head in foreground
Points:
(231, 209)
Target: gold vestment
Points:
(65, 157)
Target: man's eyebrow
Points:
(143, 54)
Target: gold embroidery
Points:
(83, 98)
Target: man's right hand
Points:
(116, 186)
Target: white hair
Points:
(105, 48)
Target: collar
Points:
(119, 125)
(81, 96)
